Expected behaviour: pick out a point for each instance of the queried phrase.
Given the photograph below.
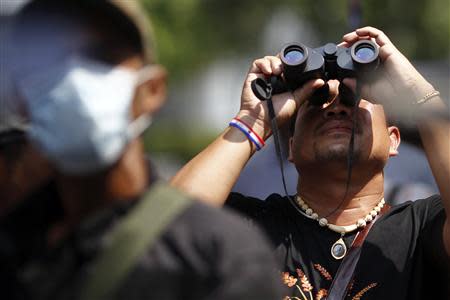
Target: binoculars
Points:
(301, 63)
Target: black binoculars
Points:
(301, 63)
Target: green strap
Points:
(129, 240)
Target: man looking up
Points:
(86, 75)
(406, 253)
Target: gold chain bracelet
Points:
(428, 97)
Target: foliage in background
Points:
(419, 28)
(191, 33)
(163, 137)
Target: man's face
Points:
(322, 133)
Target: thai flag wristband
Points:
(249, 133)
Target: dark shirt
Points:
(204, 253)
(403, 256)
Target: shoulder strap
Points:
(344, 274)
(128, 241)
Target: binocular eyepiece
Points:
(301, 63)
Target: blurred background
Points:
(208, 46)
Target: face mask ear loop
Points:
(138, 126)
(147, 72)
(141, 123)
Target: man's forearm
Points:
(211, 175)
(435, 134)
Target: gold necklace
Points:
(339, 249)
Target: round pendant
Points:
(339, 249)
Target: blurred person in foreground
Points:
(405, 255)
(26, 187)
(85, 74)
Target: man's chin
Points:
(335, 152)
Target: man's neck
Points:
(325, 193)
(82, 196)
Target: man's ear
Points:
(151, 94)
(291, 155)
(394, 136)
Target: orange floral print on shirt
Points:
(304, 290)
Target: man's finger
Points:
(262, 65)
(305, 91)
(275, 64)
(377, 34)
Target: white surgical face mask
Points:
(80, 113)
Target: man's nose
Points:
(337, 108)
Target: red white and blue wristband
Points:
(249, 133)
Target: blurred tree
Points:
(191, 33)
(419, 28)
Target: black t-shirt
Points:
(403, 256)
(205, 253)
